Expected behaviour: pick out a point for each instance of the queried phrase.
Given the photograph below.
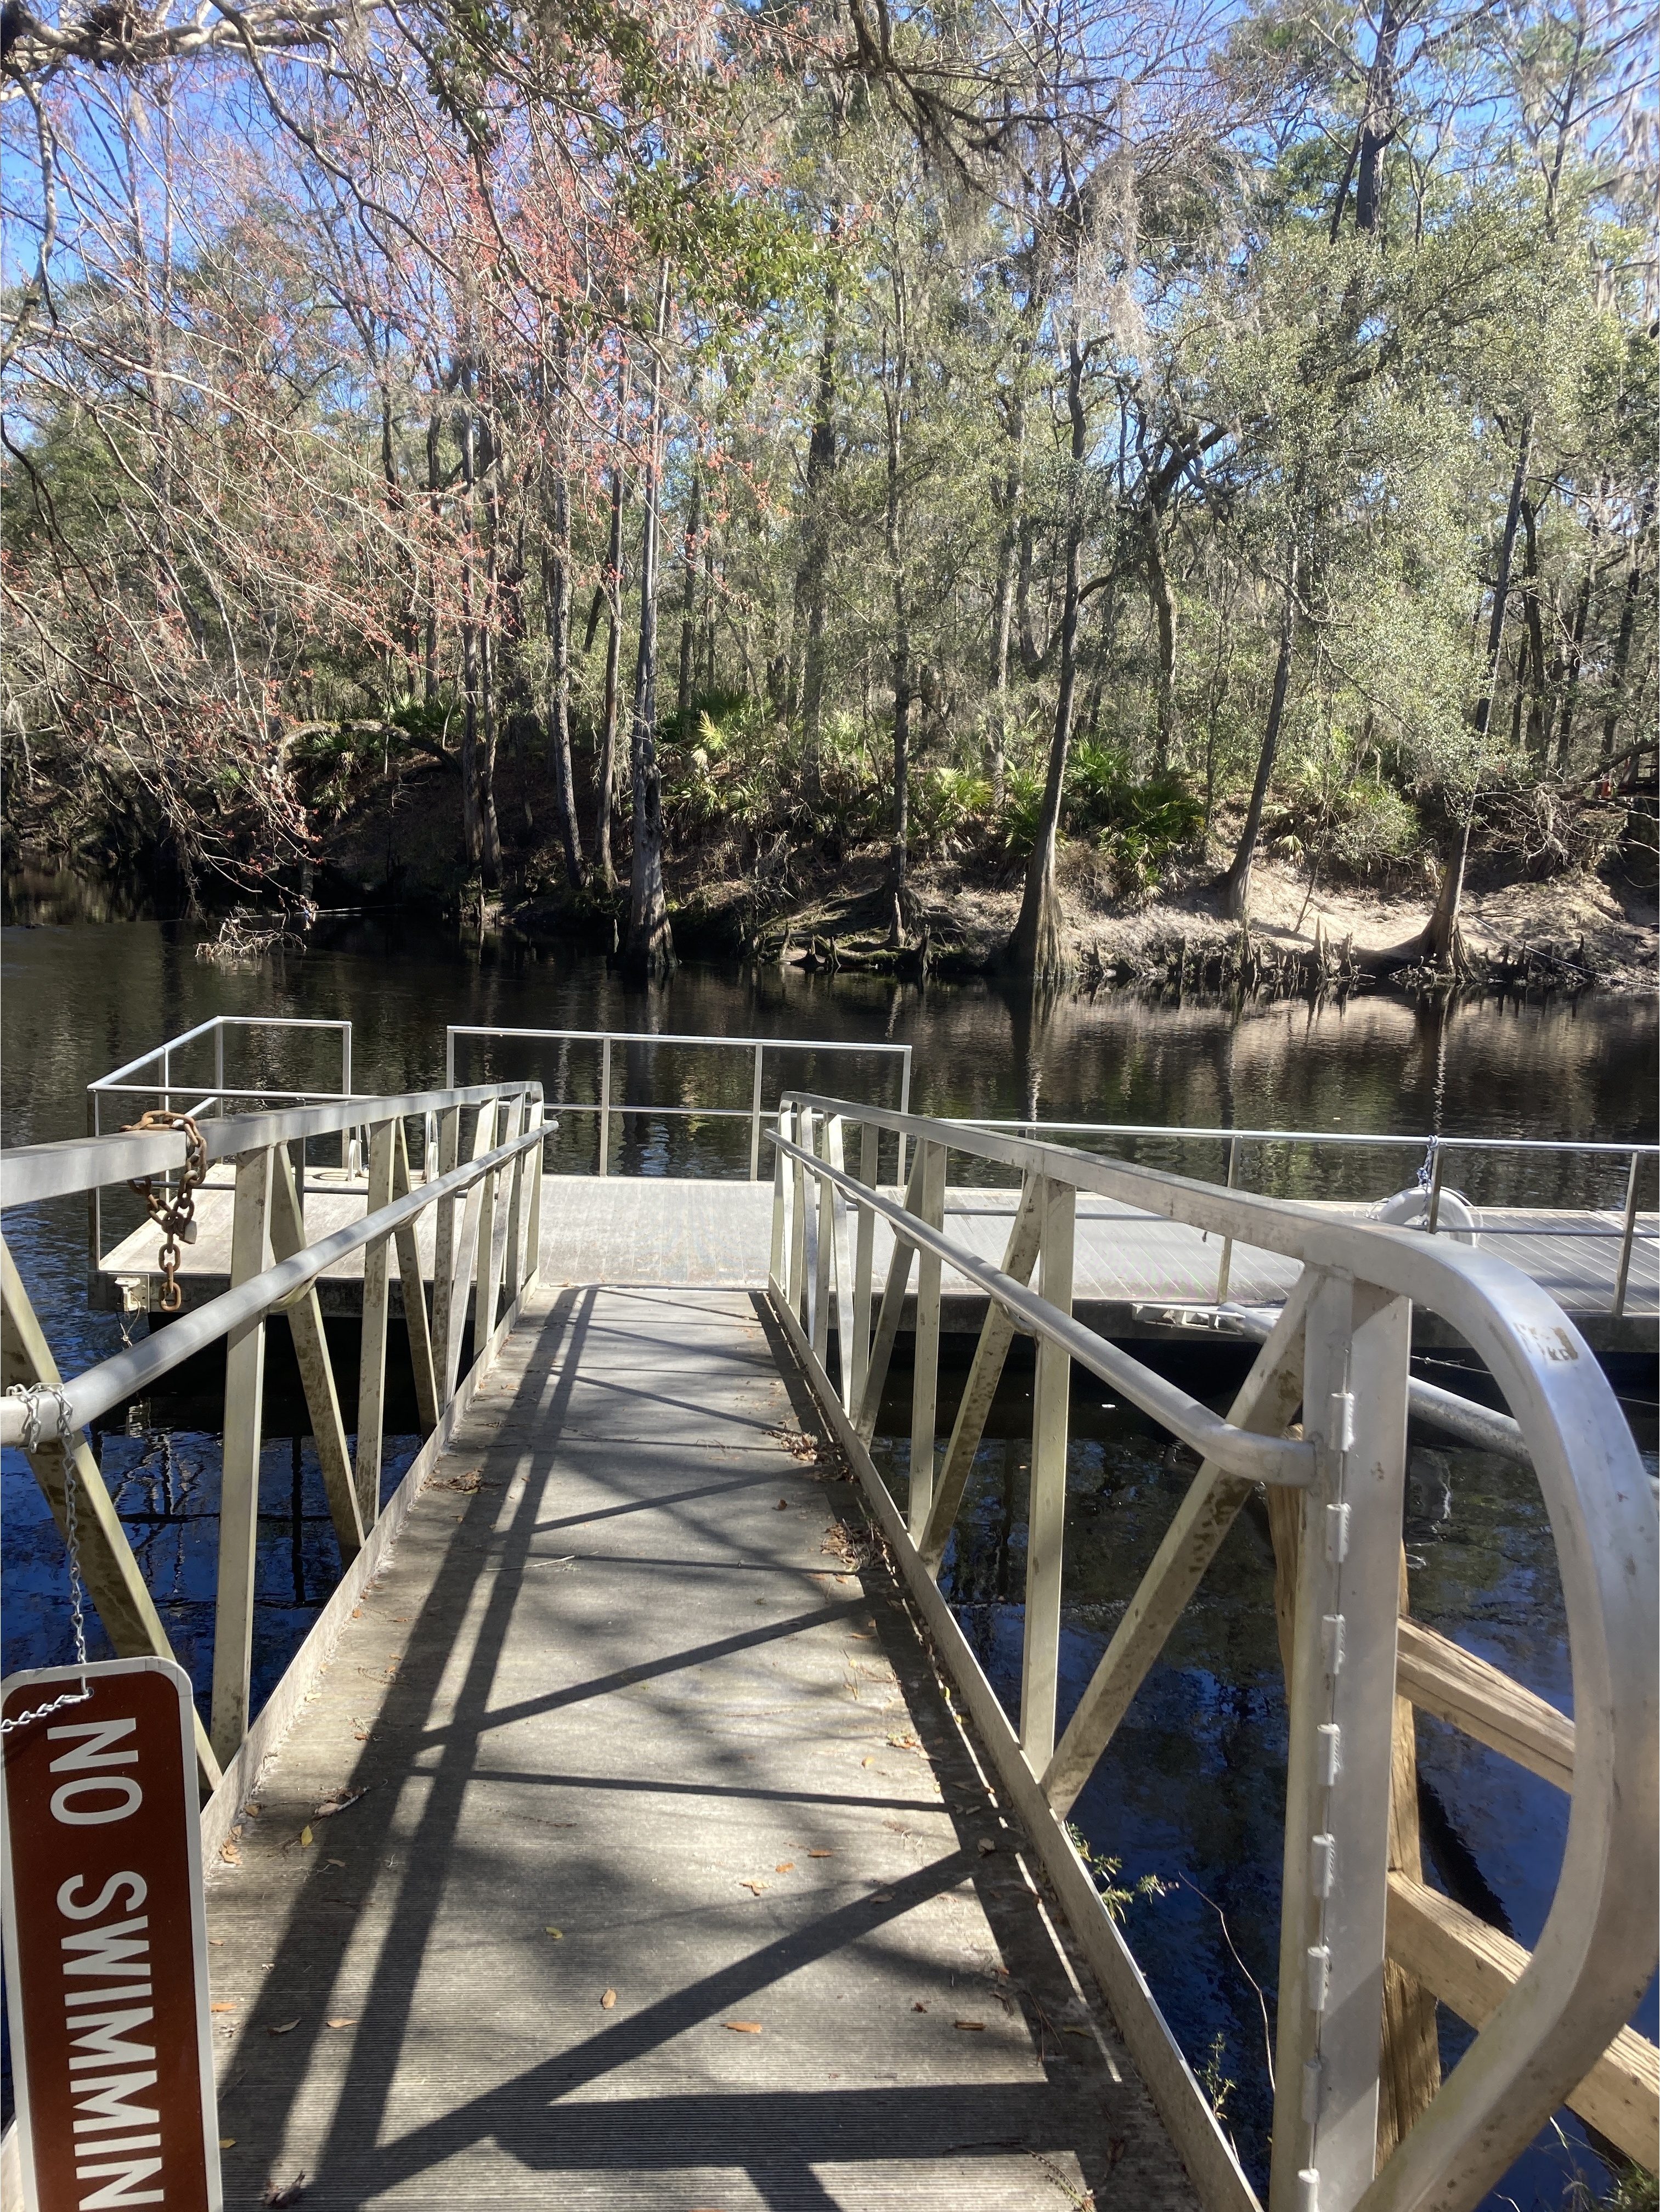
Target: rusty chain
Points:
(175, 1212)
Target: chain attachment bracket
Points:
(175, 1212)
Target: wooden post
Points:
(925, 1372)
(114, 1581)
(870, 1139)
(1046, 1515)
(371, 1361)
(311, 1350)
(1409, 2071)
(1340, 1758)
(415, 1322)
(239, 1504)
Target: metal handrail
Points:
(267, 1218)
(1340, 1347)
(65, 1166)
(125, 1374)
(1437, 1151)
(115, 1084)
(754, 1114)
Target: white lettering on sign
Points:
(107, 2122)
(121, 2189)
(94, 1754)
(72, 1911)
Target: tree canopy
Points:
(946, 430)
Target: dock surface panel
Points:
(633, 1688)
(704, 1233)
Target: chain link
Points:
(31, 1395)
(176, 1214)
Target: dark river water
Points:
(1190, 1791)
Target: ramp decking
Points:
(633, 1689)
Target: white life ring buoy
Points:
(1410, 1209)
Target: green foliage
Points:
(1116, 1896)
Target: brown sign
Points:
(105, 1949)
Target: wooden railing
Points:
(1361, 2117)
(479, 1175)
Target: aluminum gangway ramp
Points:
(674, 1880)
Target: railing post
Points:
(443, 1257)
(1226, 1268)
(219, 1065)
(826, 1251)
(755, 1118)
(797, 1253)
(372, 1359)
(1046, 1512)
(1340, 1763)
(1628, 1238)
(904, 1108)
(925, 1370)
(1437, 1168)
(513, 1250)
(604, 1107)
(533, 1222)
(416, 1322)
(778, 1249)
(238, 1502)
(347, 1140)
(870, 1139)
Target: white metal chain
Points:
(32, 1395)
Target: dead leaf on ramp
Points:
(607, 2003)
(743, 2027)
(287, 2028)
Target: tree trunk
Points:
(472, 824)
(1538, 731)
(650, 947)
(1575, 662)
(1164, 618)
(489, 832)
(1037, 948)
(894, 395)
(821, 463)
(1378, 124)
(604, 797)
(689, 603)
(1627, 624)
(1003, 606)
(1443, 940)
(435, 484)
(556, 593)
(1236, 884)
